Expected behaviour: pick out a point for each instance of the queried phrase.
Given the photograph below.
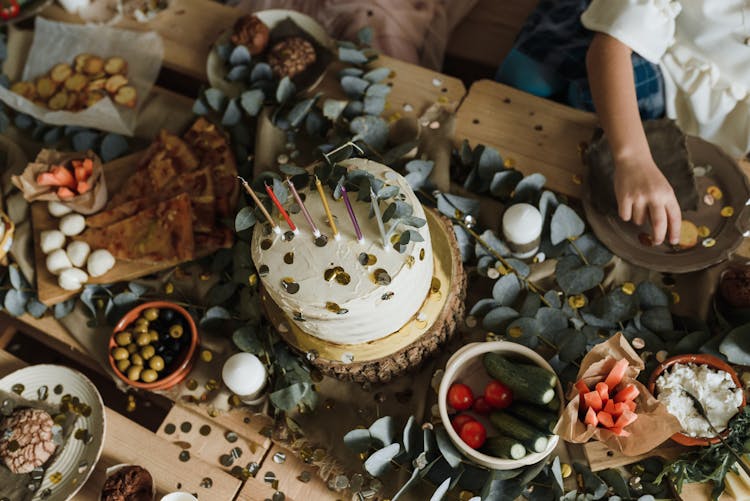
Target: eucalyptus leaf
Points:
(199, 107)
(238, 73)
(377, 75)
(387, 192)
(354, 87)
(352, 56)
(506, 289)
(553, 298)
(615, 307)
(530, 305)
(35, 308)
(298, 394)
(572, 346)
(593, 250)
(550, 320)
(736, 345)
(614, 479)
(364, 35)
(441, 491)
(658, 319)
(490, 162)
(315, 123)
(494, 242)
(232, 114)
(252, 101)
(281, 191)
(525, 331)
(52, 136)
(378, 90)
(246, 339)
(483, 306)
(565, 224)
(138, 289)
(454, 206)
(245, 219)
(61, 310)
(464, 242)
(261, 71)
(411, 435)
(214, 317)
(300, 110)
(23, 121)
(416, 222)
(358, 440)
(354, 109)
(85, 140)
(15, 302)
(379, 461)
(221, 293)
(113, 146)
(651, 295)
(384, 430)
(548, 202)
(351, 71)
(504, 182)
(579, 280)
(285, 90)
(215, 98)
(239, 55)
(413, 479)
(17, 280)
(370, 129)
(522, 269)
(397, 210)
(593, 484)
(528, 189)
(447, 449)
(557, 473)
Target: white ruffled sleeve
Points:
(646, 26)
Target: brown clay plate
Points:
(713, 169)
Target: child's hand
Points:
(643, 192)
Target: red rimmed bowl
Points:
(179, 368)
(698, 359)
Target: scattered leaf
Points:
(358, 440)
(506, 289)
(384, 430)
(215, 98)
(379, 462)
(113, 146)
(565, 224)
(285, 90)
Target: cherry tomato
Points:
(481, 406)
(459, 421)
(498, 395)
(460, 397)
(473, 434)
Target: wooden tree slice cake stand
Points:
(385, 358)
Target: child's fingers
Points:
(674, 216)
(626, 209)
(658, 215)
(639, 213)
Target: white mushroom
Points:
(51, 240)
(72, 224)
(58, 209)
(100, 262)
(78, 253)
(72, 279)
(57, 261)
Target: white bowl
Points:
(216, 68)
(466, 366)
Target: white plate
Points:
(216, 69)
(77, 460)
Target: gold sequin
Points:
(381, 277)
(704, 231)
(515, 331)
(421, 254)
(335, 308)
(675, 297)
(628, 288)
(56, 477)
(715, 192)
(577, 301)
(168, 288)
(708, 242)
(577, 179)
(509, 163)
(727, 211)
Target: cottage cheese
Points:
(714, 388)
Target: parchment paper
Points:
(60, 42)
(654, 424)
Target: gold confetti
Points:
(715, 192)
(130, 406)
(708, 242)
(566, 470)
(727, 211)
(577, 179)
(207, 356)
(628, 288)
(577, 301)
(509, 163)
(675, 297)
(252, 280)
(442, 100)
(56, 477)
(168, 288)
(205, 276)
(704, 231)
(515, 331)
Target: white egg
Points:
(58, 209)
(57, 260)
(51, 240)
(72, 224)
(100, 262)
(71, 279)
(78, 253)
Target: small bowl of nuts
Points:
(154, 345)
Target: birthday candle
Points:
(379, 217)
(278, 205)
(315, 230)
(323, 199)
(262, 208)
(349, 209)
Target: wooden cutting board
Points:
(116, 172)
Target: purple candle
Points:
(349, 209)
(302, 207)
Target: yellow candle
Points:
(252, 194)
(326, 208)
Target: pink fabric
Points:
(416, 31)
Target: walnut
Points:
(26, 440)
(291, 56)
(252, 33)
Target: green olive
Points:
(151, 314)
(120, 353)
(134, 372)
(154, 335)
(141, 321)
(124, 338)
(156, 363)
(139, 329)
(175, 331)
(122, 365)
(149, 376)
(143, 339)
(132, 348)
(148, 351)
(136, 359)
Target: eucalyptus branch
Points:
(585, 261)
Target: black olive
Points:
(174, 345)
(167, 314)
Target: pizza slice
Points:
(159, 233)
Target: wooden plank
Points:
(49, 331)
(255, 489)
(287, 472)
(127, 442)
(538, 134)
(208, 437)
(601, 457)
(190, 27)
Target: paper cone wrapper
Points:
(654, 424)
(88, 203)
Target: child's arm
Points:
(642, 190)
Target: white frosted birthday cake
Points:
(347, 291)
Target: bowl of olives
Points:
(153, 346)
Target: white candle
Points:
(244, 375)
(179, 496)
(522, 227)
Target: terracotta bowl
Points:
(181, 370)
(699, 359)
(466, 366)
